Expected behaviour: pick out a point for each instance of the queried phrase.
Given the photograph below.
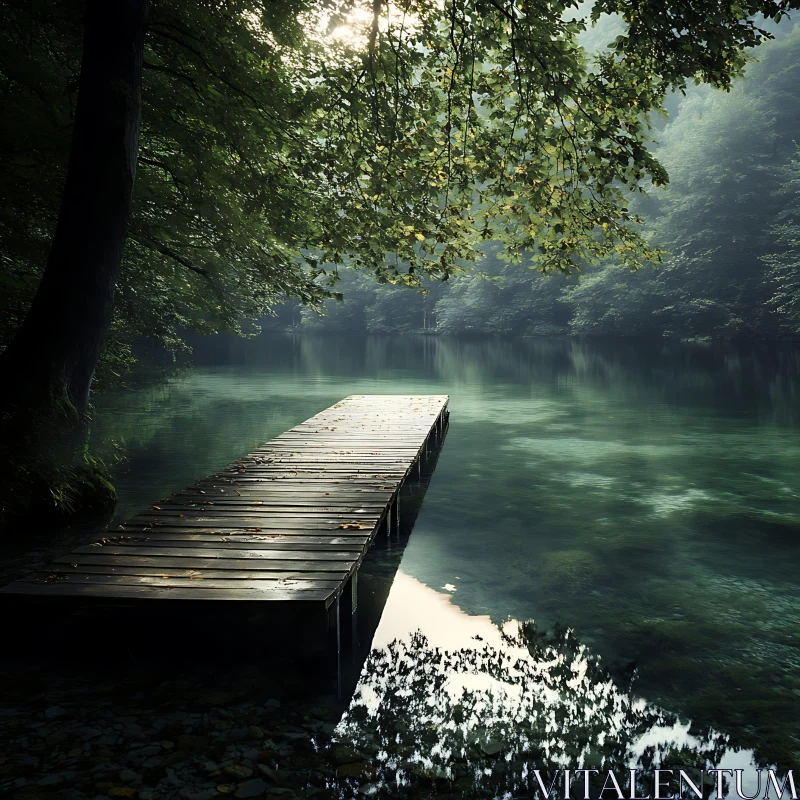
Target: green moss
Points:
(49, 477)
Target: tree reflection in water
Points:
(478, 718)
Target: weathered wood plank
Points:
(226, 574)
(164, 561)
(352, 541)
(200, 580)
(317, 538)
(246, 592)
(221, 543)
(214, 552)
(246, 507)
(282, 517)
(252, 523)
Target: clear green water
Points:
(644, 496)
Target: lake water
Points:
(604, 569)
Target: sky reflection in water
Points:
(449, 695)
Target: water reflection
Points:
(645, 495)
(451, 700)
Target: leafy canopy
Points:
(282, 139)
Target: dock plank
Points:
(289, 522)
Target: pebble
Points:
(238, 735)
(275, 775)
(344, 754)
(355, 770)
(190, 742)
(253, 788)
(199, 794)
(50, 780)
(238, 772)
(54, 712)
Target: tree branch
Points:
(166, 251)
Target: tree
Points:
(271, 151)
(57, 346)
(784, 262)
(728, 159)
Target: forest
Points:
(727, 223)
(399, 399)
(226, 226)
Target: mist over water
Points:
(644, 496)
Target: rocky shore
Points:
(185, 738)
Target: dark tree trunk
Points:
(53, 357)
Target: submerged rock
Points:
(238, 772)
(253, 788)
(357, 769)
(344, 754)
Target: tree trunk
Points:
(54, 354)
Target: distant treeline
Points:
(729, 220)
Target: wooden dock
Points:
(288, 523)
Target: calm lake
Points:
(606, 565)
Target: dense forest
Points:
(232, 230)
(728, 222)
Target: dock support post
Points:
(353, 615)
(395, 512)
(337, 613)
(347, 603)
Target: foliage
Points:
(271, 150)
(208, 245)
(47, 473)
(730, 207)
(724, 154)
(784, 262)
(504, 300)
